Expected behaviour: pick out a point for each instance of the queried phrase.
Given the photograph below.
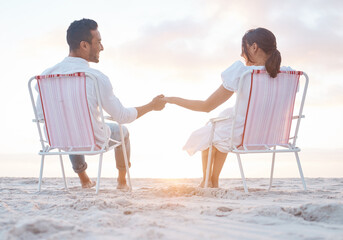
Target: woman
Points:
(260, 52)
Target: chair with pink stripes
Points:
(67, 122)
(269, 117)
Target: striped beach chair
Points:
(67, 123)
(269, 117)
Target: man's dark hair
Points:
(80, 31)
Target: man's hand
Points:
(158, 103)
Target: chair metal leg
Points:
(63, 174)
(242, 173)
(125, 156)
(41, 173)
(208, 169)
(272, 172)
(99, 174)
(300, 170)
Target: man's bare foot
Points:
(89, 184)
(122, 184)
(85, 180)
(202, 184)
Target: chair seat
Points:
(265, 149)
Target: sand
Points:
(172, 209)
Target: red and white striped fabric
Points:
(270, 109)
(66, 113)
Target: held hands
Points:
(168, 99)
(158, 102)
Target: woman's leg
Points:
(218, 163)
(204, 156)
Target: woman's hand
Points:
(168, 99)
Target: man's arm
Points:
(157, 104)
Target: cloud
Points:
(180, 46)
(308, 32)
(309, 36)
(196, 47)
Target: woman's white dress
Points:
(199, 139)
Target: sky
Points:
(175, 48)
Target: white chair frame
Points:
(47, 150)
(268, 149)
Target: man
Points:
(84, 42)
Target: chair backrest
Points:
(66, 113)
(270, 109)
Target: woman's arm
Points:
(212, 102)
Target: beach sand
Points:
(172, 209)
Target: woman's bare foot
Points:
(202, 184)
(215, 184)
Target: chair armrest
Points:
(218, 119)
(39, 120)
(296, 117)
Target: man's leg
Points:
(120, 161)
(80, 166)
